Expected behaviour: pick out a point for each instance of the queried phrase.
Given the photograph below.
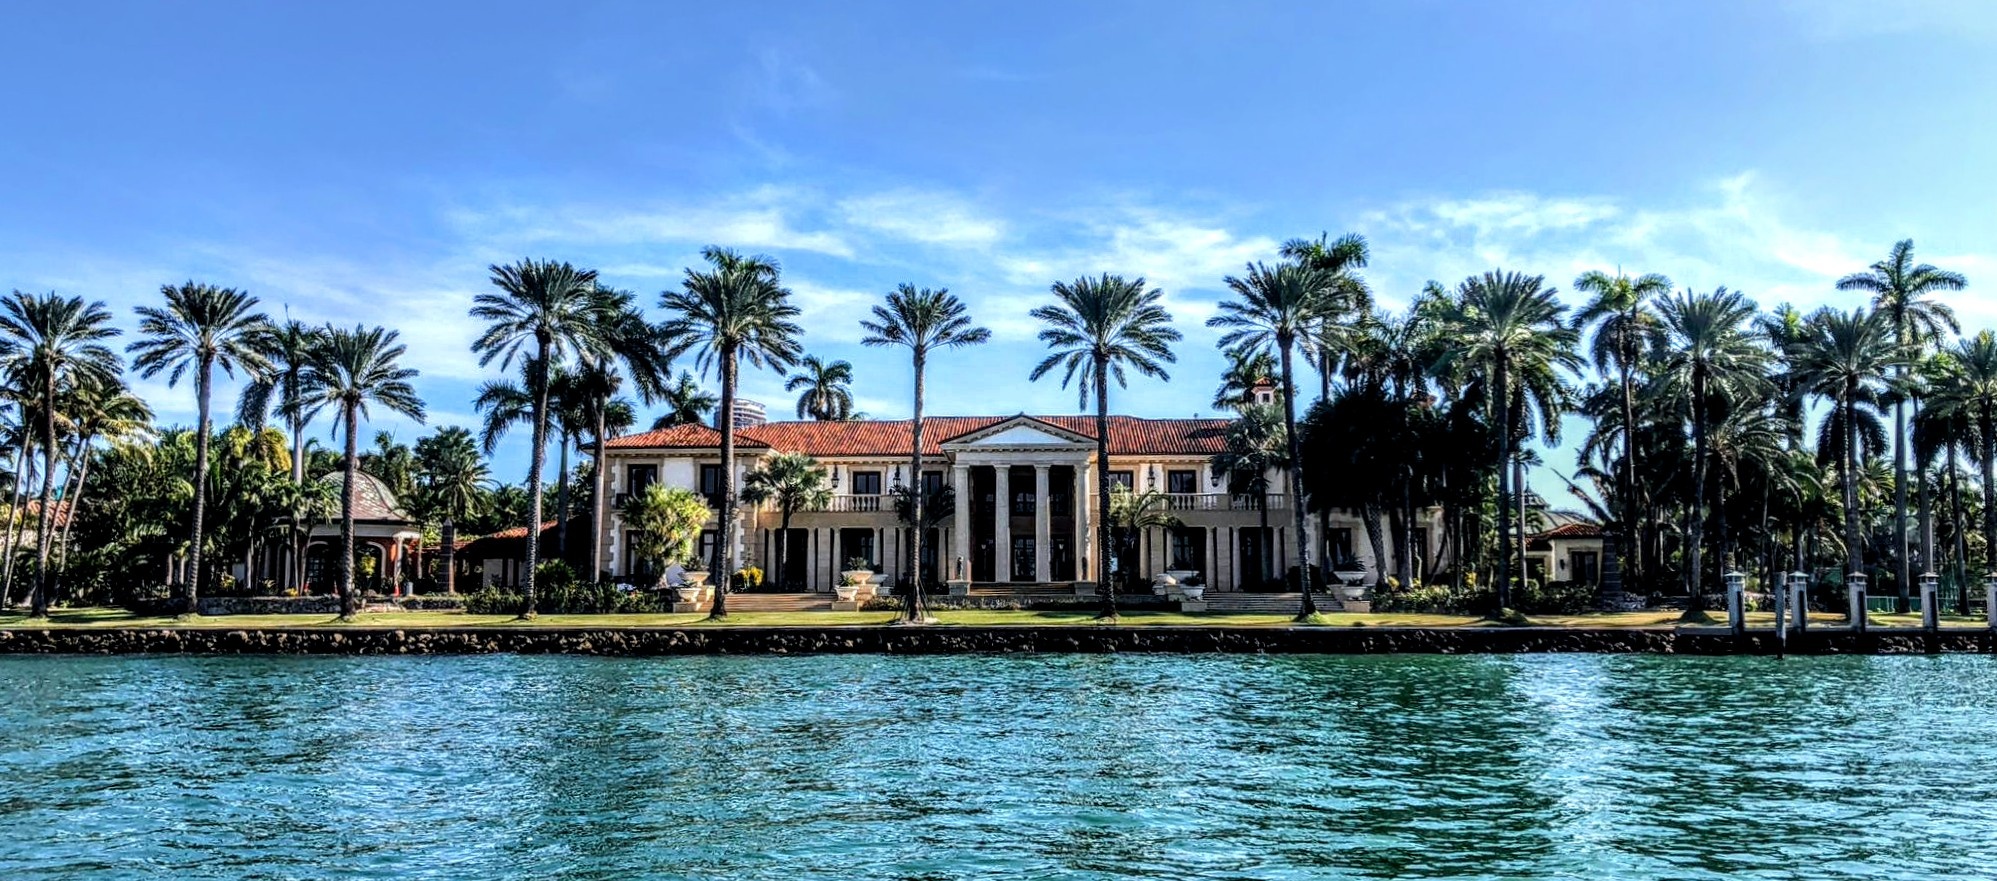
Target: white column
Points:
(960, 528)
(1085, 529)
(1043, 530)
(1002, 524)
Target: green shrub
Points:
(571, 599)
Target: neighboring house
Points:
(383, 533)
(499, 560)
(1024, 511)
(1571, 551)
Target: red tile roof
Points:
(1568, 530)
(372, 498)
(1128, 435)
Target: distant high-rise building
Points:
(748, 414)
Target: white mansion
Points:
(1024, 511)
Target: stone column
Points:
(960, 528)
(1002, 523)
(1085, 524)
(1043, 527)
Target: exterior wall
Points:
(1221, 517)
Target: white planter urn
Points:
(695, 579)
(846, 592)
(859, 577)
(1193, 592)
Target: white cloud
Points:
(762, 218)
(932, 218)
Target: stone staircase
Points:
(779, 602)
(1264, 603)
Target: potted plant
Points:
(858, 571)
(1351, 575)
(1193, 586)
(848, 589)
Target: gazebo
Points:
(383, 532)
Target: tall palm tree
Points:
(924, 321)
(1280, 309)
(1845, 357)
(1340, 259)
(686, 403)
(289, 348)
(1967, 389)
(1712, 354)
(792, 482)
(1509, 325)
(50, 344)
(633, 347)
(352, 369)
(456, 485)
(828, 389)
(1099, 328)
(1256, 445)
(735, 310)
(1900, 291)
(1625, 330)
(96, 410)
(542, 312)
(202, 327)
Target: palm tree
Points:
(1900, 292)
(828, 392)
(792, 482)
(1132, 514)
(1279, 309)
(1256, 442)
(456, 483)
(734, 311)
(1245, 371)
(354, 368)
(1712, 354)
(1340, 259)
(686, 403)
(1098, 329)
(201, 328)
(1967, 389)
(289, 348)
(1509, 324)
(542, 312)
(1625, 330)
(634, 347)
(1845, 357)
(50, 344)
(96, 410)
(924, 321)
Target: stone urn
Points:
(1193, 592)
(846, 592)
(1164, 584)
(859, 577)
(695, 579)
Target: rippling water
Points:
(1568, 766)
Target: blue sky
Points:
(366, 161)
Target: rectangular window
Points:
(1189, 548)
(1122, 479)
(1022, 558)
(1338, 546)
(707, 539)
(633, 565)
(856, 544)
(1183, 482)
(932, 482)
(866, 483)
(710, 484)
(637, 477)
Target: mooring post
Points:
(1990, 601)
(1736, 602)
(1799, 599)
(1931, 618)
(1854, 586)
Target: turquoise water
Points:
(998, 767)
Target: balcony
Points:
(852, 504)
(1223, 501)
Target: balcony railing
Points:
(852, 504)
(1224, 501)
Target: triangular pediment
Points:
(1018, 431)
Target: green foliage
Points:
(571, 599)
(664, 523)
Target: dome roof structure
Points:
(372, 499)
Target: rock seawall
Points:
(960, 640)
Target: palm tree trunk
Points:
(1902, 568)
(1989, 426)
(45, 518)
(597, 508)
(1296, 470)
(726, 516)
(1375, 539)
(1695, 604)
(537, 460)
(349, 597)
(202, 379)
(1502, 582)
(1265, 544)
(562, 499)
(916, 502)
(1105, 589)
(75, 498)
(16, 498)
(1630, 511)
(1854, 555)
(783, 548)
(295, 562)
